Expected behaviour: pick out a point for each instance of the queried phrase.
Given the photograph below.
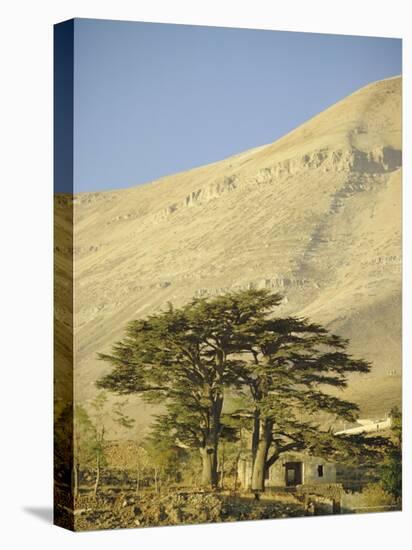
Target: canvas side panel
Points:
(64, 467)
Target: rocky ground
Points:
(125, 509)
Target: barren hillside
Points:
(315, 215)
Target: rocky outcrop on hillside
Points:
(314, 216)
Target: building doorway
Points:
(293, 474)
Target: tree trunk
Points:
(209, 452)
(99, 452)
(155, 481)
(138, 482)
(259, 465)
(221, 467)
(236, 472)
(207, 467)
(75, 480)
(255, 434)
(96, 484)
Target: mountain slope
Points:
(315, 216)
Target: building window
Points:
(320, 471)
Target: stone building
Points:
(291, 470)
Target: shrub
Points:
(375, 496)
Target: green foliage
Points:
(292, 362)
(190, 358)
(376, 497)
(165, 451)
(89, 430)
(84, 436)
(391, 476)
(391, 473)
(120, 417)
(186, 358)
(99, 414)
(396, 426)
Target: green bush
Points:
(375, 496)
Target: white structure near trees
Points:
(367, 425)
(293, 468)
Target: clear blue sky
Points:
(156, 99)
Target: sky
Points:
(152, 100)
